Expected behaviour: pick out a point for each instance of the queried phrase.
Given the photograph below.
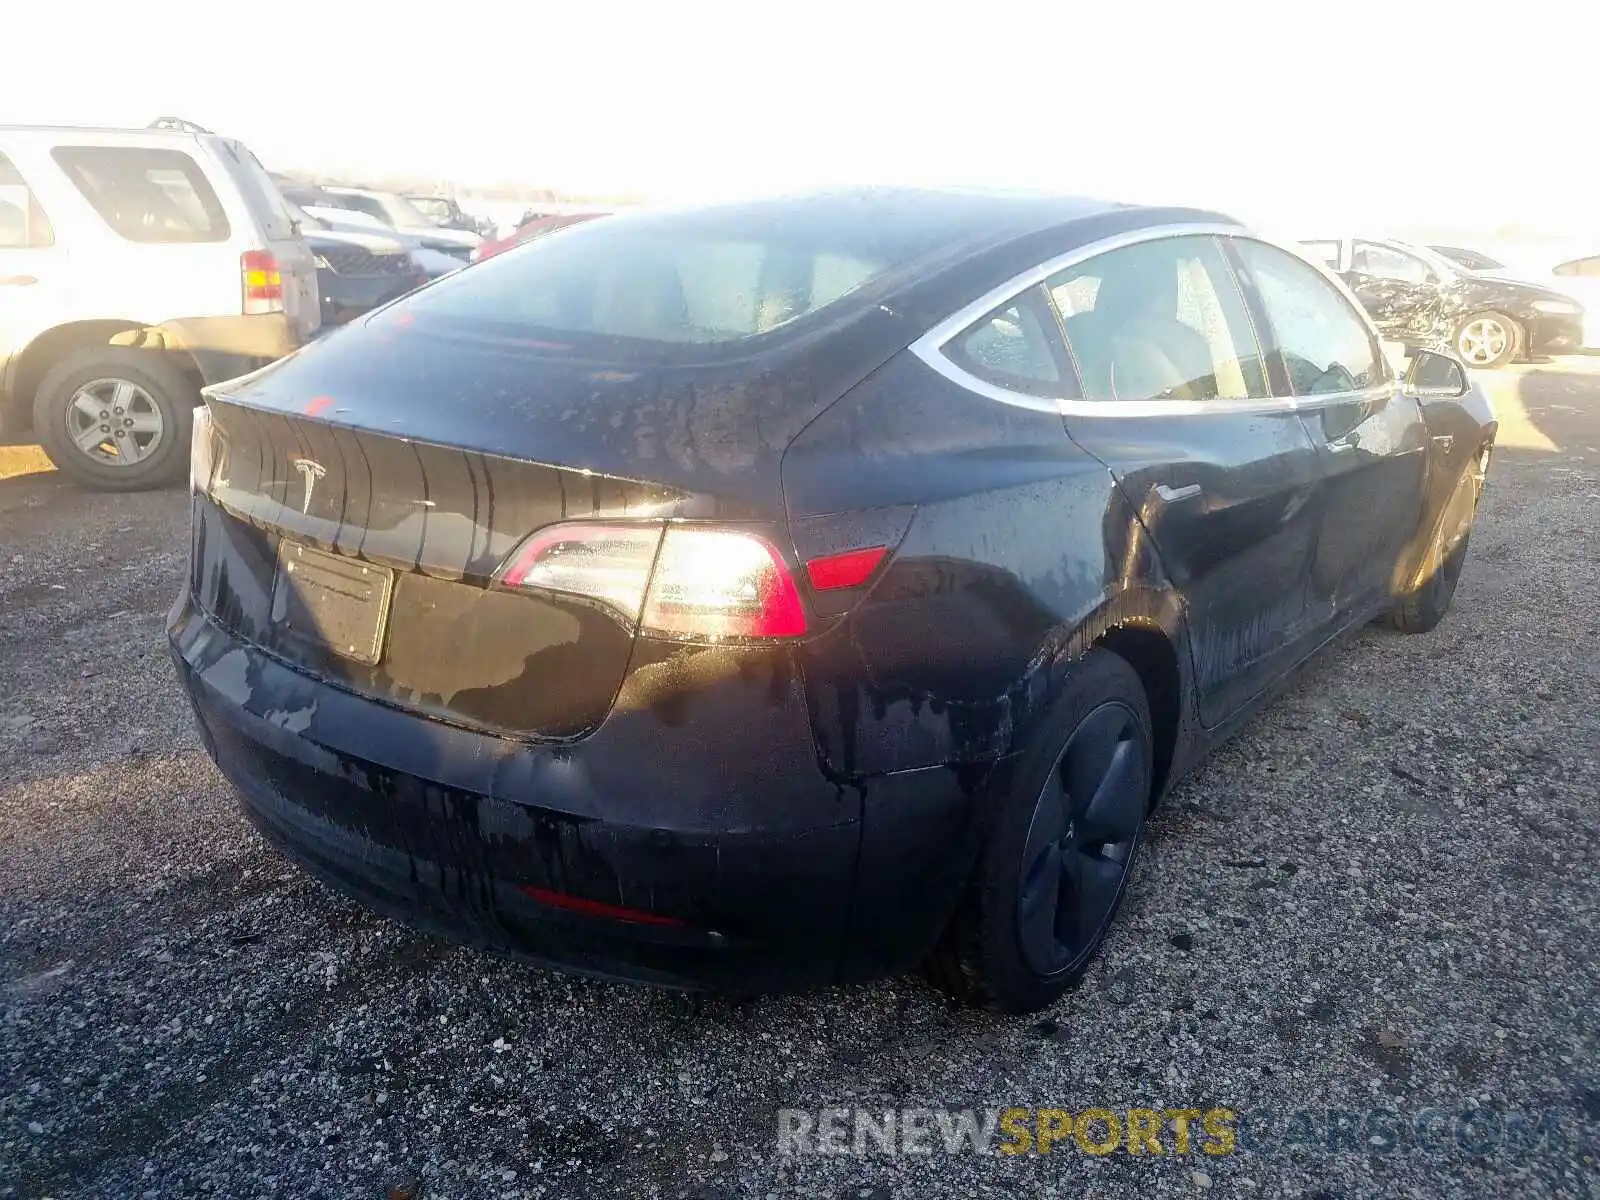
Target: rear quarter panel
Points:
(1019, 554)
(1461, 432)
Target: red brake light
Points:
(847, 570)
(691, 582)
(717, 583)
(263, 282)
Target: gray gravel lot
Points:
(1381, 896)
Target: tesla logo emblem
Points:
(310, 472)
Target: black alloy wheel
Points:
(1061, 837)
(1081, 841)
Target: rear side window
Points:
(146, 195)
(1587, 268)
(1160, 320)
(255, 184)
(1325, 345)
(23, 225)
(683, 280)
(1011, 347)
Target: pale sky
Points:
(1282, 112)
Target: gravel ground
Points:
(1381, 896)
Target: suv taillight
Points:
(684, 581)
(263, 282)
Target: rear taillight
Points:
(263, 282)
(719, 583)
(608, 563)
(684, 581)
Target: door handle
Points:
(1171, 495)
(1345, 444)
(17, 280)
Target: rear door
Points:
(1368, 432)
(1176, 402)
(32, 267)
(279, 232)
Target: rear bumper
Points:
(226, 347)
(448, 829)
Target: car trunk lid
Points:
(365, 494)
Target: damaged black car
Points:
(782, 593)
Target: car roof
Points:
(924, 253)
(72, 134)
(959, 208)
(953, 222)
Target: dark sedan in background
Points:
(1422, 298)
(796, 591)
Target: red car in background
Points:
(529, 230)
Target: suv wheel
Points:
(116, 419)
(1488, 340)
(1058, 850)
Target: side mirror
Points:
(1433, 375)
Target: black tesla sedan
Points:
(796, 591)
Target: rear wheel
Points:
(1421, 610)
(116, 418)
(1059, 848)
(1488, 339)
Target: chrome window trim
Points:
(930, 346)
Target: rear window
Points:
(260, 193)
(689, 279)
(146, 195)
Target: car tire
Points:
(1486, 340)
(155, 419)
(1420, 611)
(1052, 869)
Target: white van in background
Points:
(135, 266)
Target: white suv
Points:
(135, 266)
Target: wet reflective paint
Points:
(787, 810)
